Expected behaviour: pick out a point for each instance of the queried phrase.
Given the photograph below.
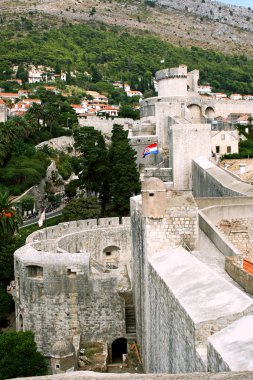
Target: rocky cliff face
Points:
(236, 16)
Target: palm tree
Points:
(37, 110)
(52, 114)
(9, 217)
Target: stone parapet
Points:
(87, 375)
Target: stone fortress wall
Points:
(209, 180)
(181, 303)
(87, 375)
(103, 124)
(65, 285)
(184, 310)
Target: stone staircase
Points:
(130, 322)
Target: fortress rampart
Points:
(208, 180)
(180, 302)
(63, 287)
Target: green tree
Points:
(95, 73)
(22, 73)
(36, 111)
(6, 304)
(27, 203)
(82, 208)
(19, 356)
(9, 218)
(128, 111)
(124, 181)
(92, 162)
(71, 188)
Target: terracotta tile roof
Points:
(9, 94)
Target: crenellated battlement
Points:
(67, 228)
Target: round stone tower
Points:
(172, 82)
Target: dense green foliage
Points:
(71, 188)
(110, 52)
(92, 164)
(21, 166)
(82, 208)
(9, 219)
(6, 304)
(110, 174)
(19, 356)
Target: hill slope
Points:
(202, 23)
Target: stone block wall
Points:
(240, 233)
(67, 228)
(209, 180)
(104, 125)
(174, 318)
(171, 338)
(179, 226)
(65, 299)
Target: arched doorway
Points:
(111, 256)
(196, 112)
(209, 112)
(119, 347)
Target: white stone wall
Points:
(187, 141)
(104, 125)
(231, 348)
(179, 301)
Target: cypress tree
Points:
(124, 176)
(92, 162)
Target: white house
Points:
(220, 95)
(225, 142)
(35, 76)
(97, 97)
(236, 97)
(247, 97)
(132, 93)
(108, 110)
(207, 89)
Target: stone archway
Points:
(110, 256)
(209, 112)
(196, 112)
(119, 347)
